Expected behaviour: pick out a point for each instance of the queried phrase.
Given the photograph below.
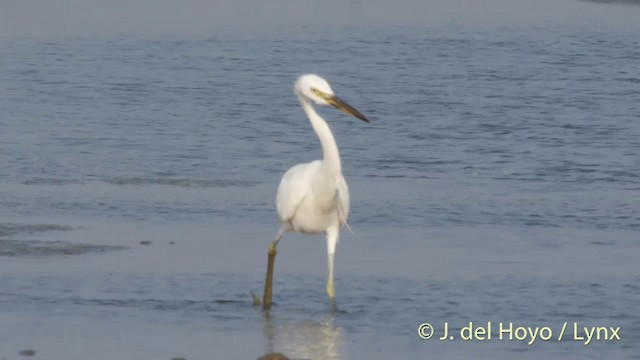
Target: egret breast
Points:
(314, 217)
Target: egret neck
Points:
(329, 147)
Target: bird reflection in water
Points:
(302, 339)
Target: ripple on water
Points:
(139, 181)
(10, 229)
(34, 248)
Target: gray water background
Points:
(498, 181)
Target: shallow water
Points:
(497, 182)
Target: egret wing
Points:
(293, 188)
(343, 200)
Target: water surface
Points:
(497, 182)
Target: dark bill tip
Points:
(346, 108)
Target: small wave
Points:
(52, 181)
(630, 2)
(50, 248)
(631, 80)
(126, 181)
(183, 182)
(9, 229)
(151, 304)
(602, 242)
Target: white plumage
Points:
(309, 200)
(313, 197)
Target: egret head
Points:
(317, 90)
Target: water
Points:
(498, 181)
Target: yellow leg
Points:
(330, 289)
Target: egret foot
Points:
(256, 300)
(334, 306)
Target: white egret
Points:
(313, 197)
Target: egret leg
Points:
(330, 289)
(268, 282)
(332, 241)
